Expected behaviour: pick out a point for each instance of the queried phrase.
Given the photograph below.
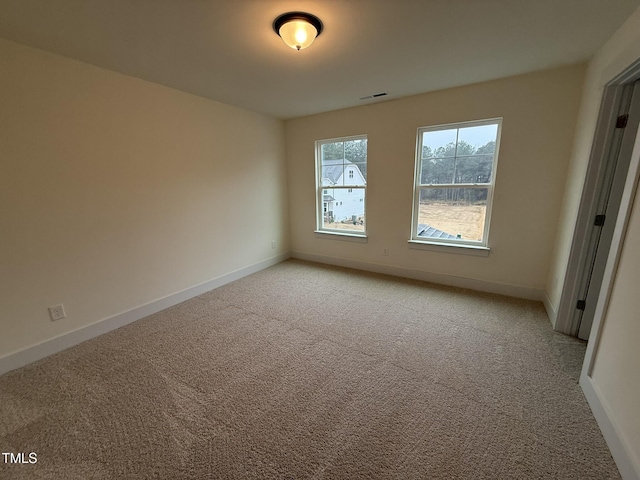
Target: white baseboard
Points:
(627, 462)
(518, 291)
(49, 347)
(552, 313)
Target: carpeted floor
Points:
(308, 371)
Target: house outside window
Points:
(454, 182)
(341, 184)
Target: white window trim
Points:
(342, 235)
(480, 248)
(474, 250)
(320, 231)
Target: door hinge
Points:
(622, 120)
(581, 305)
(599, 221)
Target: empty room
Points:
(317, 239)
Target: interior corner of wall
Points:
(550, 307)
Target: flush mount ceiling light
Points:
(297, 29)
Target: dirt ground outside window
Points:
(347, 226)
(464, 220)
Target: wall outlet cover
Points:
(57, 312)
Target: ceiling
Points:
(226, 50)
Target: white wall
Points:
(115, 192)
(539, 112)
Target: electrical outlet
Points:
(385, 252)
(273, 244)
(57, 312)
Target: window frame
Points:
(347, 186)
(418, 187)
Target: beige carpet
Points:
(307, 371)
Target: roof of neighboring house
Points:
(333, 169)
(425, 230)
(327, 198)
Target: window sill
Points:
(348, 236)
(477, 251)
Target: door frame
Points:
(596, 169)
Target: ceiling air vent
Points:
(375, 95)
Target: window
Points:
(454, 180)
(341, 185)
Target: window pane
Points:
(332, 151)
(452, 213)
(353, 175)
(343, 209)
(437, 170)
(355, 151)
(344, 163)
(332, 172)
(439, 143)
(362, 170)
(474, 169)
(480, 140)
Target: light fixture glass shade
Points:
(298, 29)
(298, 34)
